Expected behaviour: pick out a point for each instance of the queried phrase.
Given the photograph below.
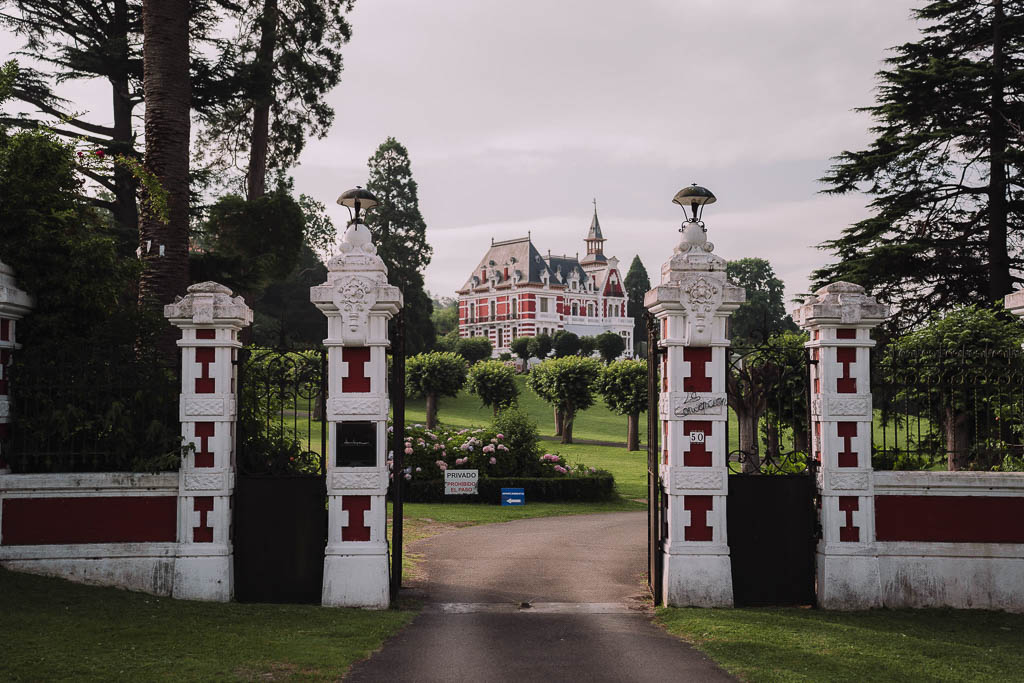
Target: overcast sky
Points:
(517, 114)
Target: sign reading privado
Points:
(460, 482)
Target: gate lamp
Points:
(360, 198)
(695, 197)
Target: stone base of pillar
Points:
(357, 580)
(697, 580)
(848, 582)
(208, 577)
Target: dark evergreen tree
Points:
(637, 284)
(944, 171)
(763, 315)
(400, 234)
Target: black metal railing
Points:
(78, 414)
(768, 394)
(955, 409)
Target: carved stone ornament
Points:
(690, 479)
(209, 303)
(840, 303)
(346, 406)
(848, 481)
(204, 481)
(702, 294)
(204, 407)
(852, 407)
(356, 480)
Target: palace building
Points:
(517, 292)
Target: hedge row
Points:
(589, 489)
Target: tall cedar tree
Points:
(637, 284)
(401, 238)
(85, 39)
(945, 168)
(763, 315)
(284, 60)
(164, 245)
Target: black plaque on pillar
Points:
(357, 444)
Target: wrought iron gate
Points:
(655, 499)
(397, 391)
(280, 506)
(771, 518)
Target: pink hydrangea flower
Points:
(442, 465)
(550, 457)
(493, 461)
(502, 447)
(560, 469)
(408, 476)
(408, 451)
(499, 436)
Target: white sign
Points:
(696, 437)
(461, 482)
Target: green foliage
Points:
(445, 315)
(494, 383)
(400, 234)
(610, 345)
(1010, 463)
(447, 342)
(587, 346)
(957, 373)
(522, 437)
(586, 487)
(565, 344)
(763, 314)
(283, 315)
(437, 373)
(474, 349)
(540, 346)
(637, 284)
(623, 384)
(567, 383)
(944, 171)
(521, 347)
(86, 376)
(251, 243)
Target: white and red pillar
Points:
(14, 305)
(358, 303)
(692, 306)
(839, 319)
(210, 320)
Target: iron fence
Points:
(958, 408)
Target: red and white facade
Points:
(516, 292)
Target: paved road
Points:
(555, 599)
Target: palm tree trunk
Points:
(259, 140)
(125, 209)
(168, 93)
(998, 256)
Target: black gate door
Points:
(655, 508)
(280, 505)
(771, 517)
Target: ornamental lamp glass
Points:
(695, 197)
(357, 199)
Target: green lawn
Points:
(880, 645)
(53, 629)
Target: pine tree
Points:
(944, 171)
(763, 315)
(637, 284)
(400, 234)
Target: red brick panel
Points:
(99, 519)
(847, 456)
(204, 532)
(846, 384)
(698, 357)
(848, 533)
(698, 455)
(204, 432)
(357, 528)
(699, 507)
(950, 519)
(357, 357)
(204, 383)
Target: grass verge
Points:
(54, 629)
(780, 644)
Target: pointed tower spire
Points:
(595, 241)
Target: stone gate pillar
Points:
(839, 319)
(14, 305)
(209, 319)
(358, 303)
(692, 306)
